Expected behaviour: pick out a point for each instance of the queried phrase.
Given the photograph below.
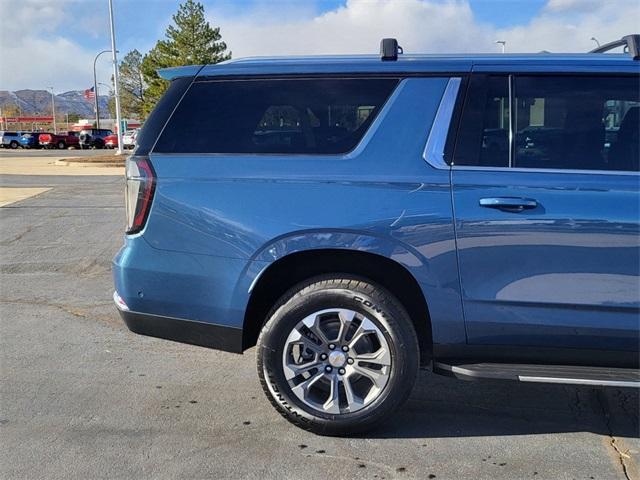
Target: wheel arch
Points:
(279, 276)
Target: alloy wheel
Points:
(336, 361)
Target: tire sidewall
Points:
(372, 305)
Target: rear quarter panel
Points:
(233, 215)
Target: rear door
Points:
(546, 203)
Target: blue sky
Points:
(62, 36)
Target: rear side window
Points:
(158, 117)
(484, 134)
(278, 116)
(572, 123)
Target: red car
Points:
(111, 141)
(60, 140)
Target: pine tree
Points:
(191, 41)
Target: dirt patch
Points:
(109, 158)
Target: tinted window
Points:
(158, 117)
(320, 116)
(484, 133)
(577, 123)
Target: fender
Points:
(447, 320)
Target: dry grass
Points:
(106, 158)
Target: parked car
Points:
(10, 139)
(59, 140)
(129, 138)
(93, 137)
(111, 141)
(378, 235)
(30, 140)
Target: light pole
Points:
(595, 40)
(502, 43)
(53, 112)
(115, 76)
(95, 89)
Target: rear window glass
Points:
(278, 116)
(159, 115)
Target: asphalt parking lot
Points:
(82, 397)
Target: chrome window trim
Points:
(434, 149)
(545, 170)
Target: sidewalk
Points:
(30, 165)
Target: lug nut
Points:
(328, 369)
(350, 361)
(323, 356)
(345, 348)
(331, 346)
(341, 371)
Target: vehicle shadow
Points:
(447, 407)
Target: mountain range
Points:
(38, 102)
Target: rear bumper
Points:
(203, 334)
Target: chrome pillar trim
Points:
(434, 149)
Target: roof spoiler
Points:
(172, 73)
(630, 42)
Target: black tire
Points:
(13, 144)
(61, 145)
(359, 295)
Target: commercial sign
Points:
(25, 119)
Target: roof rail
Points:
(389, 49)
(631, 42)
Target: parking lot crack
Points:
(17, 237)
(626, 462)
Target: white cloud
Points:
(568, 25)
(571, 5)
(33, 52)
(357, 27)
(40, 46)
(426, 26)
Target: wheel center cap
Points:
(337, 359)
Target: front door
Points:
(546, 202)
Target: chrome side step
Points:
(565, 374)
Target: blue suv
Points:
(360, 217)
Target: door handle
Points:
(509, 204)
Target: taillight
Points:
(141, 180)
